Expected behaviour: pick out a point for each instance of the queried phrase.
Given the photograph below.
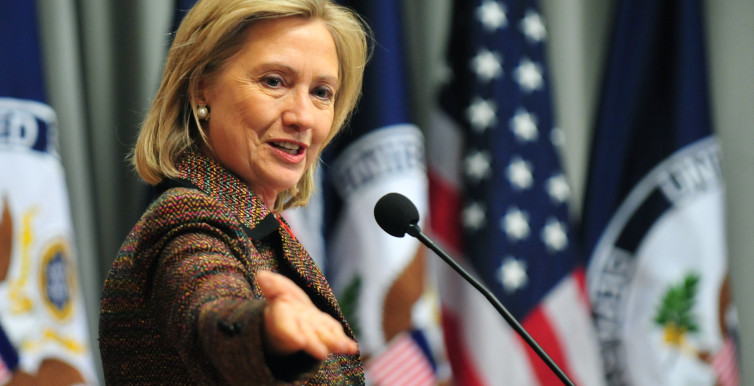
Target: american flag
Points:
(499, 197)
(402, 363)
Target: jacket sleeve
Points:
(211, 309)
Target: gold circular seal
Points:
(57, 280)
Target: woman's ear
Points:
(199, 96)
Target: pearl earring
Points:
(202, 112)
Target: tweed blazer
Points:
(181, 305)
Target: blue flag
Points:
(21, 80)
(653, 211)
(21, 76)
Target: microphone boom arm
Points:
(415, 231)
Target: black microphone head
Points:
(394, 213)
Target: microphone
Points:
(397, 215)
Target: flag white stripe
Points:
(444, 148)
(569, 317)
(491, 343)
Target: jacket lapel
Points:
(310, 276)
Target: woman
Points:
(211, 286)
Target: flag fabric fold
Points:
(653, 211)
(499, 198)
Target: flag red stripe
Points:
(445, 209)
(539, 327)
(464, 371)
(579, 275)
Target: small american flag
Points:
(507, 199)
(725, 364)
(402, 363)
(5, 373)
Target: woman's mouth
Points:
(288, 147)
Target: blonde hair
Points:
(212, 32)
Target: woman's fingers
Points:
(291, 328)
(332, 334)
(313, 344)
(293, 323)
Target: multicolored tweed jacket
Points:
(181, 304)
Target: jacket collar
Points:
(218, 182)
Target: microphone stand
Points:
(415, 231)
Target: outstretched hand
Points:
(293, 323)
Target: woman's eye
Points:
(323, 93)
(272, 81)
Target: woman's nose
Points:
(299, 110)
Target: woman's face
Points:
(272, 104)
